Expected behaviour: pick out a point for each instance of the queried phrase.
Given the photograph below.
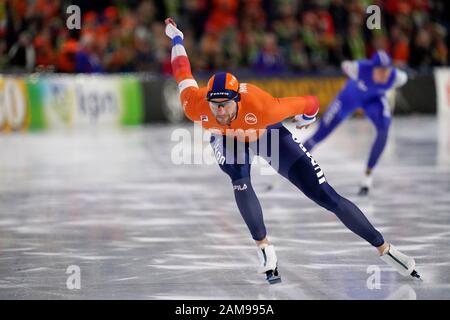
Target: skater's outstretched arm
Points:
(180, 63)
(401, 77)
(350, 68)
(181, 69)
(303, 108)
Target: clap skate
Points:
(365, 186)
(400, 262)
(269, 263)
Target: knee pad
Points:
(304, 176)
(327, 197)
(382, 132)
(236, 171)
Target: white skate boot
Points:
(366, 185)
(400, 262)
(269, 263)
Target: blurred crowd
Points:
(263, 36)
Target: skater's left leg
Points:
(306, 174)
(297, 165)
(379, 114)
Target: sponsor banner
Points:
(131, 102)
(69, 101)
(37, 119)
(442, 81)
(161, 100)
(58, 101)
(14, 104)
(98, 101)
(324, 88)
(417, 95)
(172, 108)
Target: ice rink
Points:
(140, 227)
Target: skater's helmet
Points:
(223, 85)
(381, 59)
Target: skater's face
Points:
(223, 110)
(381, 74)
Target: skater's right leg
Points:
(378, 111)
(237, 167)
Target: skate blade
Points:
(273, 277)
(364, 191)
(414, 274)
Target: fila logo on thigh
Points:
(239, 187)
(319, 173)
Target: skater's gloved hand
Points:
(303, 121)
(171, 29)
(311, 110)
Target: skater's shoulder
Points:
(364, 66)
(253, 92)
(193, 101)
(364, 63)
(249, 88)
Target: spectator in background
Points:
(311, 37)
(400, 47)
(298, 58)
(196, 15)
(122, 44)
(327, 37)
(145, 14)
(355, 45)
(3, 55)
(3, 20)
(159, 43)
(89, 22)
(45, 54)
(145, 57)
(47, 9)
(286, 27)
(421, 50)
(65, 61)
(223, 15)
(232, 34)
(269, 59)
(248, 43)
(231, 51)
(22, 57)
(211, 51)
(379, 42)
(439, 52)
(87, 59)
(339, 14)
